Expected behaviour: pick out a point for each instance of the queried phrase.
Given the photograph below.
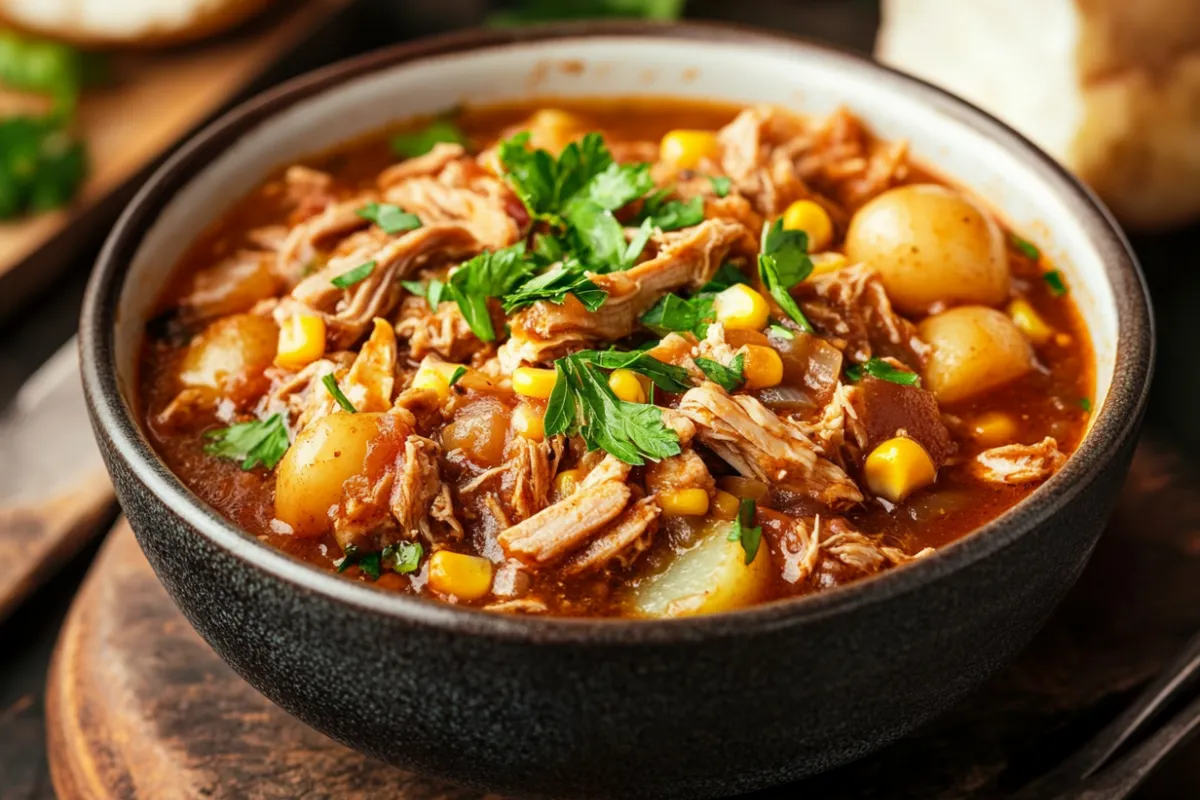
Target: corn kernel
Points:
(431, 376)
(724, 505)
(1025, 317)
(527, 421)
(810, 217)
(684, 502)
(301, 341)
(827, 262)
(740, 487)
(686, 149)
(626, 386)
(465, 577)
(567, 481)
(740, 308)
(897, 468)
(533, 382)
(994, 428)
(762, 367)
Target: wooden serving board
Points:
(138, 705)
(154, 99)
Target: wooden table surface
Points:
(28, 636)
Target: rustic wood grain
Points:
(139, 706)
(153, 100)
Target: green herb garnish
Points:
(674, 314)
(403, 557)
(331, 385)
(369, 562)
(457, 375)
(782, 264)
(884, 371)
(392, 218)
(553, 286)
(489, 274)
(667, 377)
(351, 277)
(726, 275)
(781, 332)
(720, 184)
(256, 442)
(670, 215)
(528, 11)
(1027, 248)
(583, 404)
(1054, 280)
(1086, 404)
(745, 531)
(418, 143)
(728, 378)
(432, 291)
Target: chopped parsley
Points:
(331, 385)
(253, 443)
(1025, 247)
(392, 218)
(667, 377)
(671, 215)
(492, 273)
(418, 143)
(553, 286)
(1086, 404)
(1054, 280)
(781, 332)
(728, 378)
(456, 376)
(403, 557)
(674, 314)
(726, 275)
(782, 264)
(720, 185)
(356, 275)
(583, 404)
(884, 371)
(369, 562)
(432, 291)
(745, 531)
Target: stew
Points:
(614, 358)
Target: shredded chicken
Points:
(1018, 463)
(851, 304)
(758, 444)
(529, 475)
(565, 526)
(431, 163)
(837, 554)
(444, 331)
(751, 157)
(839, 431)
(625, 540)
(464, 194)
(688, 258)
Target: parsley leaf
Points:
(781, 332)
(667, 377)
(353, 276)
(782, 264)
(432, 291)
(1027, 248)
(670, 215)
(1086, 404)
(1054, 280)
(369, 562)
(720, 184)
(553, 286)
(253, 443)
(392, 218)
(884, 371)
(331, 385)
(403, 557)
(744, 531)
(418, 143)
(728, 378)
(726, 275)
(41, 166)
(674, 314)
(489, 274)
(582, 403)
(456, 376)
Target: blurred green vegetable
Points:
(528, 11)
(41, 164)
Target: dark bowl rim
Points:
(1114, 422)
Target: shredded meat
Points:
(839, 431)
(751, 157)
(347, 312)
(565, 526)
(431, 163)
(688, 258)
(835, 555)
(625, 540)
(851, 305)
(684, 471)
(529, 475)
(297, 255)
(1018, 463)
(444, 331)
(840, 159)
(758, 444)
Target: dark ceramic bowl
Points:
(693, 707)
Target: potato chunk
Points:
(228, 357)
(713, 576)
(308, 482)
(930, 245)
(974, 349)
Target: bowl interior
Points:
(959, 143)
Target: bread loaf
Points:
(144, 23)
(1109, 87)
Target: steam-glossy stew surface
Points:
(624, 359)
